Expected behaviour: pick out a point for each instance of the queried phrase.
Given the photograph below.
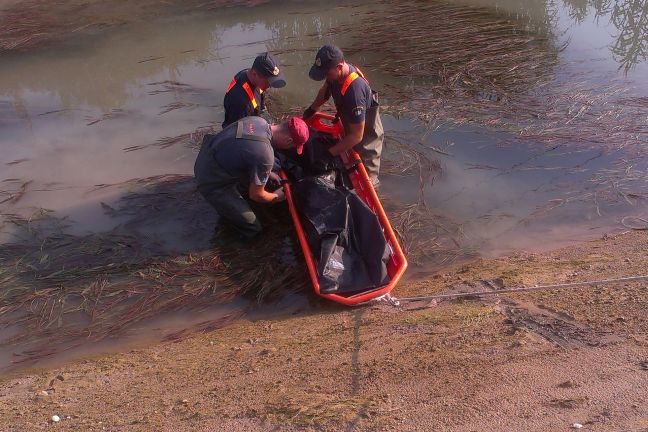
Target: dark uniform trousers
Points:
(223, 194)
(370, 148)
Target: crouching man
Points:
(242, 155)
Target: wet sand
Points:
(534, 361)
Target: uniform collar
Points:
(243, 77)
(351, 69)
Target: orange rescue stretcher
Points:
(364, 189)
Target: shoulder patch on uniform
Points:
(357, 111)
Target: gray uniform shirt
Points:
(242, 150)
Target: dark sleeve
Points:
(262, 106)
(327, 95)
(261, 166)
(356, 101)
(237, 105)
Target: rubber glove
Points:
(275, 177)
(281, 196)
(308, 113)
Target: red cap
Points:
(298, 132)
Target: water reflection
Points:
(69, 114)
(104, 75)
(631, 20)
(102, 72)
(622, 24)
(528, 196)
(83, 106)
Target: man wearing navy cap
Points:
(244, 96)
(356, 104)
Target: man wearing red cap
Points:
(242, 154)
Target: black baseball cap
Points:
(268, 66)
(327, 57)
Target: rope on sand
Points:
(396, 301)
(635, 226)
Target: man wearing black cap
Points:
(244, 96)
(356, 105)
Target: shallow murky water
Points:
(82, 117)
(71, 114)
(76, 112)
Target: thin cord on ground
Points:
(635, 227)
(520, 289)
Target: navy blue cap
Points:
(327, 57)
(268, 66)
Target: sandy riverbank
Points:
(535, 361)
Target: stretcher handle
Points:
(328, 123)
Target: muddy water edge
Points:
(513, 127)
